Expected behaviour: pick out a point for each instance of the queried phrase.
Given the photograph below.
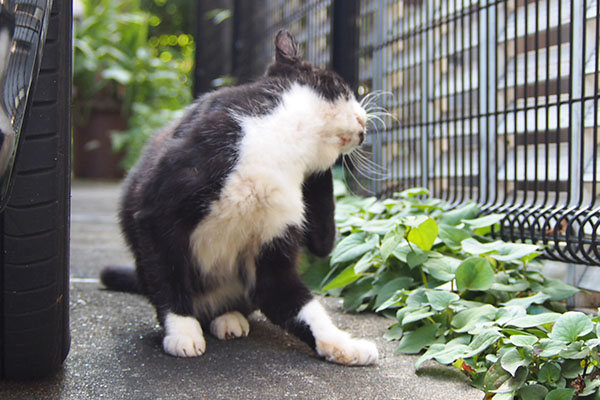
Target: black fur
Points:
(183, 171)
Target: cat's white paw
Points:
(334, 344)
(346, 350)
(230, 326)
(184, 336)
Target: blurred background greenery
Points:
(134, 59)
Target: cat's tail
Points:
(120, 279)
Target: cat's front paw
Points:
(184, 336)
(343, 349)
(231, 325)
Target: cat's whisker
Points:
(380, 111)
(372, 165)
(370, 97)
(349, 169)
(371, 117)
(367, 168)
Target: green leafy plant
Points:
(116, 66)
(460, 297)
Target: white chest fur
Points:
(263, 195)
(255, 207)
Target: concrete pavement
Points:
(116, 347)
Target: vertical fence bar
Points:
(576, 99)
(425, 49)
(483, 100)
(344, 43)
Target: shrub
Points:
(459, 296)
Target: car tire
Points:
(34, 312)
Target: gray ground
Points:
(116, 347)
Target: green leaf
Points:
(509, 313)
(570, 326)
(531, 321)
(352, 247)
(410, 193)
(416, 316)
(441, 267)
(482, 341)
(346, 277)
(525, 302)
(423, 234)
(560, 394)
(592, 343)
(390, 242)
(533, 392)
(117, 74)
(549, 372)
(417, 298)
(474, 273)
(495, 377)
(415, 258)
(394, 332)
(472, 317)
(556, 289)
(571, 368)
(380, 226)
(549, 348)
(499, 250)
(394, 300)
(364, 263)
(575, 350)
(518, 286)
(431, 352)
(313, 272)
(512, 360)
(452, 236)
(354, 297)
(389, 289)
(505, 396)
(487, 220)
(402, 251)
(591, 387)
(440, 299)
(415, 341)
(515, 382)
(523, 340)
(455, 216)
(445, 353)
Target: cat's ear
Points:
(286, 49)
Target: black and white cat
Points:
(222, 200)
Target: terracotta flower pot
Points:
(92, 149)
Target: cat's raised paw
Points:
(184, 337)
(346, 350)
(231, 325)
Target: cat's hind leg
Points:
(332, 343)
(230, 325)
(286, 301)
(183, 336)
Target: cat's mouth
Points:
(350, 143)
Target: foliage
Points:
(115, 65)
(460, 297)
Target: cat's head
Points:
(344, 117)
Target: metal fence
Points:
(490, 101)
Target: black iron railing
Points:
(490, 101)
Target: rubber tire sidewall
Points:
(34, 313)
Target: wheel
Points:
(34, 317)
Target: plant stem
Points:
(424, 277)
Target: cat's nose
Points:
(361, 121)
(361, 137)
